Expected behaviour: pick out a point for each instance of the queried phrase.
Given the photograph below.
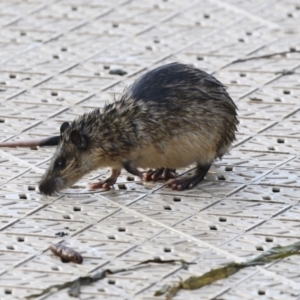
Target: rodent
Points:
(169, 118)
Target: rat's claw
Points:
(108, 182)
(103, 184)
(153, 174)
(186, 182)
(99, 185)
(159, 173)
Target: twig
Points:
(196, 282)
(264, 56)
(75, 285)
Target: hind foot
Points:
(164, 173)
(188, 182)
(108, 182)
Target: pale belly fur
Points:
(177, 152)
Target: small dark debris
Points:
(119, 72)
(256, 99)
(61, 234)
(66, 254)
(286, 72)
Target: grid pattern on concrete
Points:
(57, 60)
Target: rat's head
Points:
(69, 162)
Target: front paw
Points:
(103, 184)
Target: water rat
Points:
(169, 118)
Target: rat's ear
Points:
(63, 127)
(79, 140)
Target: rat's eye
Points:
(60, 163)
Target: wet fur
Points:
(170, 117)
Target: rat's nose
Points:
(47, 187)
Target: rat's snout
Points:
(49, 187)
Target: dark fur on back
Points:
(178, 81)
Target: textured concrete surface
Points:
(55, 63)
